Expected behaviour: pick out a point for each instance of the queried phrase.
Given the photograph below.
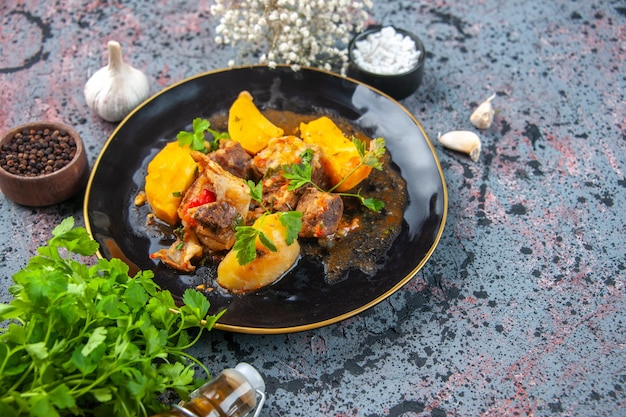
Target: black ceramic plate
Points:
(302, 300)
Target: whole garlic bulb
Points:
(116, 89)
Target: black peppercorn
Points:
(31, 153)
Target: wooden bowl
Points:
(51, 144)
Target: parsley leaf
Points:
(246, 236)
(90, 337)
(298, 175)
(373, 204)
(372, 158)
(196, 138)
(292, 220)
(245, 244)
(256, 191)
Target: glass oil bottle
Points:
(233, 393)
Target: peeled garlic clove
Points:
(462, 141)
(116, 89)
(483, 115)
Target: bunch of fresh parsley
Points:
(91, 340)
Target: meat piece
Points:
(233, 158)
(288, 150)
(215, 224)
(276, 193)
(321, 213)
(180, 253)
(269, 164)
(213, 203)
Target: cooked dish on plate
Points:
(332, 278)
(244, 198)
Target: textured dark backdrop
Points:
(521, 308)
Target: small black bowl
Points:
(399, 85)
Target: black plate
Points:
(302, 300)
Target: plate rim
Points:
(318, 324)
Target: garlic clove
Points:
(483, 115)
(462, 141)
(116, 89)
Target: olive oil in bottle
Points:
(233, 393)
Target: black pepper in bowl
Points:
(42, 163)
(33, 152)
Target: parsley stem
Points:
(345, 178)
(24, 375)
(194, 360)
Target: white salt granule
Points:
(386, 52)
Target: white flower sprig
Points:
(294, 32)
